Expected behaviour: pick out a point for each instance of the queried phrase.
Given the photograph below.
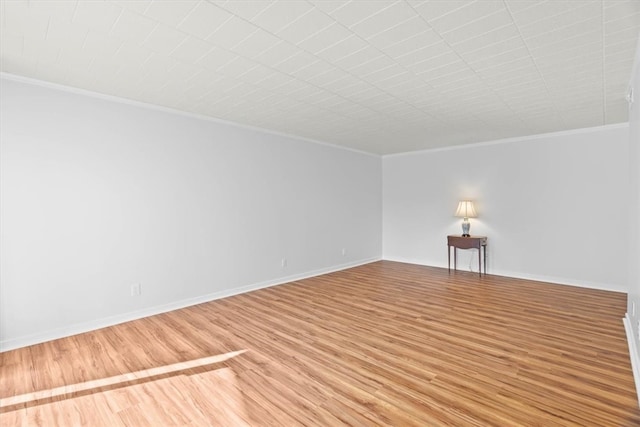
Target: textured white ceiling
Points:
(378, 76)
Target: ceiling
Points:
(377, 76)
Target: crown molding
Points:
(580, 131)
(140, 104)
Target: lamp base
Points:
(466, 226)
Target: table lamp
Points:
(466, 211)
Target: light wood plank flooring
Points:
(381, 344)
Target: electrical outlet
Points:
(135, 289)
(283, 263)
(344, 251)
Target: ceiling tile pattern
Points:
(381, 76)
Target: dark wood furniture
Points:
(471, 242)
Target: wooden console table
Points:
(473, 242)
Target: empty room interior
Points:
(319, 213)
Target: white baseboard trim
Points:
(104, 322)
(517, 275)
(633, 354)
(562, 281)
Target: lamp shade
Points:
(466, 209)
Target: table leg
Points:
(479, 262)
(455, 258)
(449, 258)
(484, 247)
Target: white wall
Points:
(632, 323)
(97, 195)
(554, 207)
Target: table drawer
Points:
(466, 242)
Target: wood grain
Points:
(381, 344)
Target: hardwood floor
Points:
(381, 344)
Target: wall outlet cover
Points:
(135, 289)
